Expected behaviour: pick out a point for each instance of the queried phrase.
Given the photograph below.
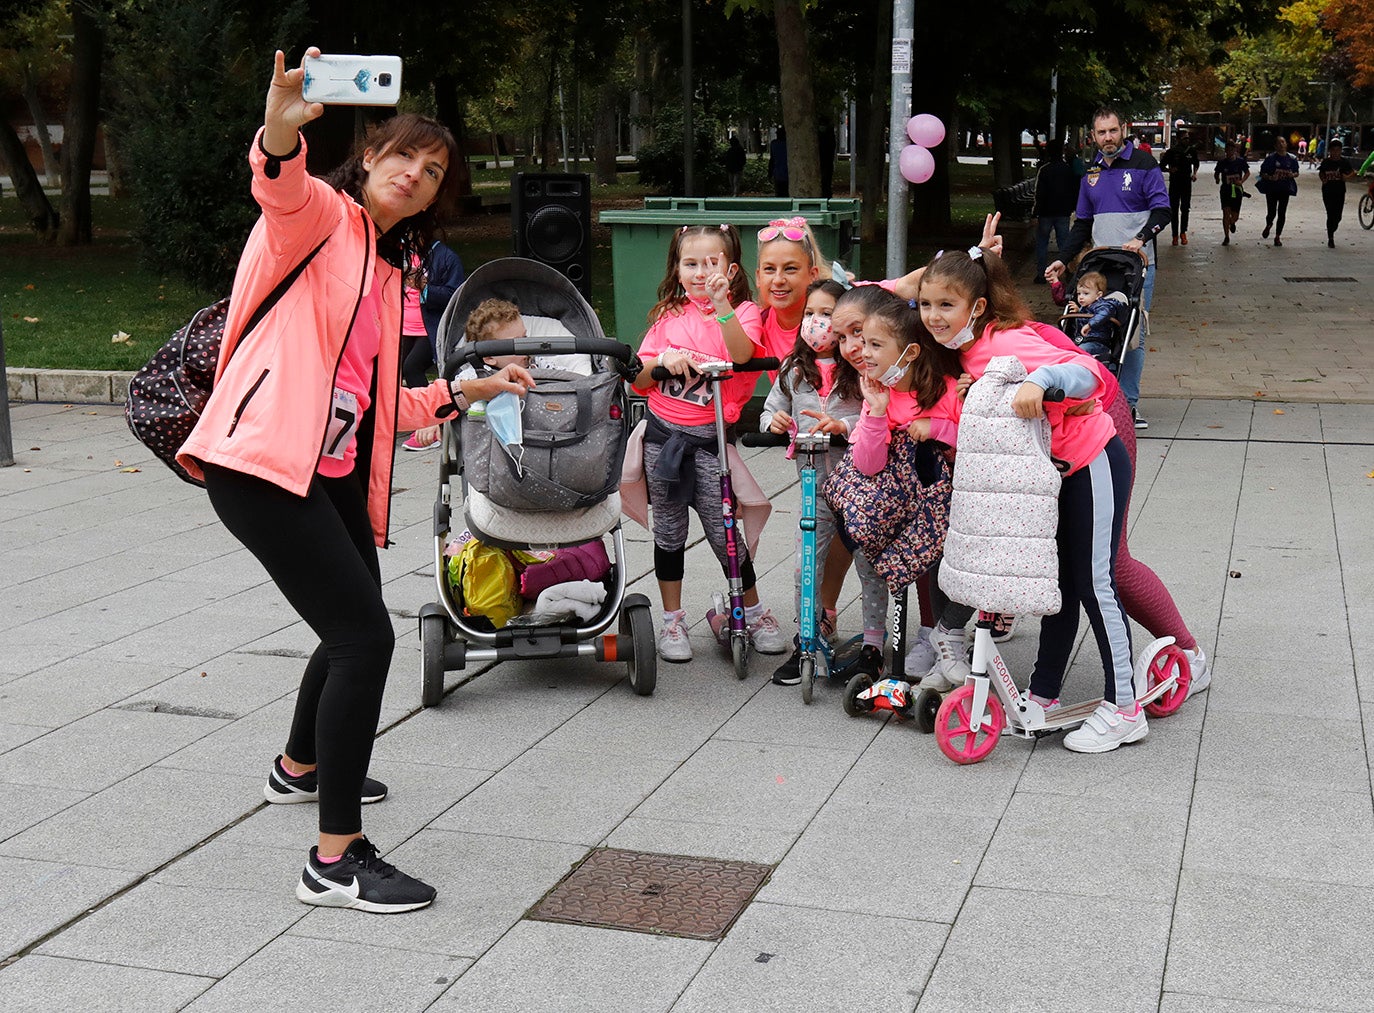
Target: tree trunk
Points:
(873, 127)
(604, 141)
(1006, 148)
(83, 119)
(42, 217)
(449, 108)
(640, 111)
(40, 127)
(798, 100)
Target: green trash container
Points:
(640, 238)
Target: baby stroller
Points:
(1125, 274)
(553, 492)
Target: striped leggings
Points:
(1092, 508)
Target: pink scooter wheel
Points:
(1162, 665)
(954, 731)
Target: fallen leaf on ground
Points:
(1259, 393)
(130, 471)
(1279, 411)
(118, 338)
(1370, 475)
(1214, 425)
(28, 288)
(119, 464)
(31, 320)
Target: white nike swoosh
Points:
(350, 890)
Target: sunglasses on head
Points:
(793, 229)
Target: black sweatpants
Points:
(1277, 209)
(318, 550)
(1092, 509)
(1335, 208)
(1180, 200)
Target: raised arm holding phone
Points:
(296, 444)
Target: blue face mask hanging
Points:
(504, 419)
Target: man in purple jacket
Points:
(1123, 201)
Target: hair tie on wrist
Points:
(727, 318)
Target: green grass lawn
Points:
(62, 305)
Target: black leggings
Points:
(319, 552)
(1276, 211)
(416, 358)
(1335, 208)
(1180, 200)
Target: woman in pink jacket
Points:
(296, 446)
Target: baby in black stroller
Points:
(1105, 319)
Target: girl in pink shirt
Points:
(703, 314)
(908, 384)
(969, 303)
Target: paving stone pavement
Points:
(147, 672)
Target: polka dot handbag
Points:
(168, 394)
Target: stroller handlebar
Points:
(759, 364)
(473, 353)
(783, 439)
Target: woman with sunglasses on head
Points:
(295, 447)
(786, 268)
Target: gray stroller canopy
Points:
(538, 289)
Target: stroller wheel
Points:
(637, 622)
(431, 660)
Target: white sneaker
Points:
(951, 668)
(1202, 673)
(1106, 728)
(768, 637)
(673, 644)
(1048, 706)
(921, 658)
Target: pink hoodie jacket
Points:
(272, 397)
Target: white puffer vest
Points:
(1001, 554)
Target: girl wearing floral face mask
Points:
(816, 391)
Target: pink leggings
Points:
(1144, 595)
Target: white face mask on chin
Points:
(963, 336)
(894, 373)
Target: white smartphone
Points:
(352, 80)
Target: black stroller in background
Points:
(1125, 274)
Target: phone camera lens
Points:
(384, 80)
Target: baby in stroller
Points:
(1105, 320)
(537, 481)
(1099, 331)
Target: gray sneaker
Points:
(673, 644)
(767, 635)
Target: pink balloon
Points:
(925, 130)
(917, 164)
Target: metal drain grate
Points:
(1319, 280)
(673, 895)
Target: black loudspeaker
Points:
(551, 217)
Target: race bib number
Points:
(694, 389)
(343, 424)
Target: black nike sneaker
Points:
(283, 789)
(363, 881)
